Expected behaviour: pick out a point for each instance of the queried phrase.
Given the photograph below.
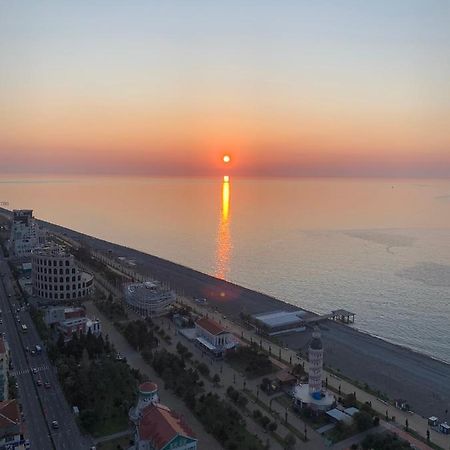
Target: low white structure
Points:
(26, 234)
(148, 299)
(313, 395)
(55, 275)
(279, 322)
(213, 338)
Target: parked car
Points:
(39, 382)
(47, 385)
(55, 425)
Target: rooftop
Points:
(160, 425)
(280, 318)
(148, 386)
(211, 326)
(9, 413)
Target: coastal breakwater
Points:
(396, 371)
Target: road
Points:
(41, 405)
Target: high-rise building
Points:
(56, 276)
(315, 358)
(26, 234)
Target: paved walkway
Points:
(134, 359)
(230, 377)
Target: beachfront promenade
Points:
(415, 421)
(287, 357)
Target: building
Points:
(55, 275)
(11, 436)
(26, 234)
(147, 395)
(313, 395)
(68, 321)
(149, 299)
(279, 322)
(213, 338)
(4, 369)
(157, 427)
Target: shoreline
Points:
(393, 369)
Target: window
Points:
(73, 279)
(67, 262)
(60, 263)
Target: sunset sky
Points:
(358, 88)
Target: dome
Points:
(148, 387)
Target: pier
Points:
(342, 315)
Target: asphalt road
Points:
(41, 405)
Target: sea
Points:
(377, 247)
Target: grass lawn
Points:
(115, 444)
(111, 426)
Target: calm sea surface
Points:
(380, 248)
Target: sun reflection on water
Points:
(223, 251)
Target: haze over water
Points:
(378, 247)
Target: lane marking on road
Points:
(19, 372)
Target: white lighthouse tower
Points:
(315, 357)
(148, 395)
(312, 395)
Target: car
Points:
(34, 370)
(47, 385)
(39, 382)
(27, 349)
(1, 321)
(17, 385)
(33, 352)
(55, 425)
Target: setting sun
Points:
(226, 159)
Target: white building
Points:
(213, 338)
(148, 299)
(4, 369)
(71, 320)
(26, 234)
(55, 275)
(313, 395)
(147, 395)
